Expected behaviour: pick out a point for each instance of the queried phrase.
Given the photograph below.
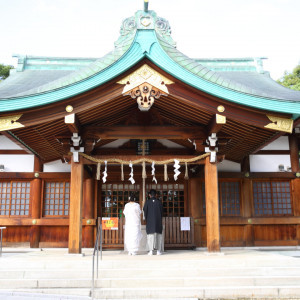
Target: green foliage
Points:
(4, 71)
(291, 80)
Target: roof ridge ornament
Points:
(146, 3)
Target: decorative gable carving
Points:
(145, 85)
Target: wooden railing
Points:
(173, 236)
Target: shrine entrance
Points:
(173, 195)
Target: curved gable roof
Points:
(147, 35)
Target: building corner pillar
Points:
(75, 217)
(212, 207)
(36, 201)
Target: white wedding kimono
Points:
(133, 234)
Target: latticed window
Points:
(115, 196)
(272, 198)
(229, 198)
(172, 197)
(56, 199)
(14, 198)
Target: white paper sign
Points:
(185, 224)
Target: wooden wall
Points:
(243, 230)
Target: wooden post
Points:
(195, 207)
(294, 152)
(36, 204)
(296, 203)
(75, 218)
(88, 230)
(247, 208)
(212, 206)
(247, 203)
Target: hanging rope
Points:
(98, 171)
(186, 175)
(122, 172)
(166, 172)
(146, 160)
(144, 175)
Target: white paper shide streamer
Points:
(131, 174)
(153, 172)
(176, 169)
(105, 173)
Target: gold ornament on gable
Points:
(145, 85)
(10, 122)
(280, 124)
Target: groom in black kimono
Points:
(153, 211)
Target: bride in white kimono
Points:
(133, 234)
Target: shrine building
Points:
(217, 138)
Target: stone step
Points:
(229, 292)
(149, 273)
(150, 282)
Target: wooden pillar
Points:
(247, 203)
(247, 209)
(88, 230)
(294, 152)
(212, 207)
(36, 204)
(195, 207)
(75, 218)
(296, 204)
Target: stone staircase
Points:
(236, 274)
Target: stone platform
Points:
(246, 273)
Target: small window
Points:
(272, 198)
(14, 198)
(229, 198)
(56, 199)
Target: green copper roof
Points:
(147, 35)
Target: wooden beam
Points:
(73, 123)
(157, 152)
(42, 175)
(212, 207)
(144, 132)
(75, 225)
(255, 221)
(13, 152)
(273, 152)
(17, 221)
(216, 123)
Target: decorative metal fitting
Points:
(36, 174)
(34, 222)
(221, 108)
(69, 108)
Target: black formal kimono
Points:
(153, 212)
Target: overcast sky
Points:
(201, 28)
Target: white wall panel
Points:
(7, 144)
(17, 163)
(229, 166)
(57, 166)
(268, 163)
